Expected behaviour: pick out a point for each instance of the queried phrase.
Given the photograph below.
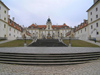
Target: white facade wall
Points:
(3, 20)
(3, 29)
(44, 32)
(13, 33)
(95, 10)
(82, 33)
(93, 31)
(94, 13)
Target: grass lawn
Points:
(79, 43)
(15, 43)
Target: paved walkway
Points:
(1, 42)
(50, 50)
(97, 43)
(92, 68)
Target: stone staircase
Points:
(47, 43)
(48, 59)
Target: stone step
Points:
(47, 61)
(47, 43)
(49, 58)
(30, 63)
(49, 55)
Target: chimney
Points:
(13, 18)
(74, 26)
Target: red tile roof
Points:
(14, 25)
(82, 25)
(28, 33)
(44, 26)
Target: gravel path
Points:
(92, 68)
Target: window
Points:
(91, 19)
(9, 34)
(78, 32)
(91, 13)
(65, 27)
(81, 31)
(97, 24)
(43, 28)
(97, 33)
(9, 29)
(31, 30)
(48, 26)
(14, 31)
(10, 21)
(4, 25)
(85, 29)
(5, 19)
(0, 16)
(14, 35)
(14, 24)
(4, 35)
(5, 11)
(0, 7)
(91, 27)
(96, 9)
(96, 16)
(32, 27)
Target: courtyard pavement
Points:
(92, 68)
(49, 50)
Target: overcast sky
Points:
(27, 12)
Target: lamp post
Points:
(70, 41)
(25, 41)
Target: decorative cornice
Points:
(3, 21)
(4, 5)
(94, 21)
(93, 5)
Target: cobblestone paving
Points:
(92, 68)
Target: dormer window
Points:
(20, 28)
(10, 21)
(43, 28)
(17, 26)
(14, 24)
(65, 27)
(32, 27)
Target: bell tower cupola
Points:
(49, 24)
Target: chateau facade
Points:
(88, 29)
(49, 31)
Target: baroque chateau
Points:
(88, 29)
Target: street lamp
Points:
(70, 41)
(25, 41)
